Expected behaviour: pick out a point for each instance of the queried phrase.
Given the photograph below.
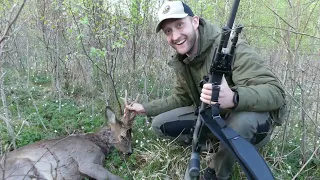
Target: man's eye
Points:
(179, 25)
(167, 31)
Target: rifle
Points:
(251, 162)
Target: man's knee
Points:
(175, 122)
(253, 126)
(173, 128)
(156, 124)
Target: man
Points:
(251, 99)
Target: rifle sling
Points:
(245, 153)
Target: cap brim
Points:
(173, 16)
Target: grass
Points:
(153, 158)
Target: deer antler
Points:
(128, 115)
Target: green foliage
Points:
(98, 53)
(30, 135)
(60, 117)
(23, 98)
(41, 79)
(84, 20)
(135, 11)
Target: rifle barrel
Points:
(231, 20)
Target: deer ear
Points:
(111, 117)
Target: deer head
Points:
(121, 129)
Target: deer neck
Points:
(103, 139)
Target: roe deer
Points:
(72, 157)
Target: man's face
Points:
(182, 34)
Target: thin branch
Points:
(302, 108)
(6, 118)
(289, 1)
(306, 24)
(279, 16)
(93, 63)
(305, 164)
(294, 32)
(6, 31)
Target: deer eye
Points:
(123, 138)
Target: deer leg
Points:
(97, 172)
(68, 170)
(19, 169)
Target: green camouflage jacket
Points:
(257, 86)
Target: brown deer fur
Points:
(72, 157)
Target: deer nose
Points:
(130, 152)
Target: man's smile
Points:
(180, 42)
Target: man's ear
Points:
(195, 21)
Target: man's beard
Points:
(192, 42)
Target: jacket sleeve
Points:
(178, 98)
(258, 88)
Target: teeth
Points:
(180, 42)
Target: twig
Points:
(6, 31)
(279, 16)
(303, 109)
(6, 118)
(109, 74)
(314, 152)
(35, 106)
(294, 32)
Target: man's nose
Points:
(175, 35)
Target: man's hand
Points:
(225, 95)
(137, 108)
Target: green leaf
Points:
(84, 20)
